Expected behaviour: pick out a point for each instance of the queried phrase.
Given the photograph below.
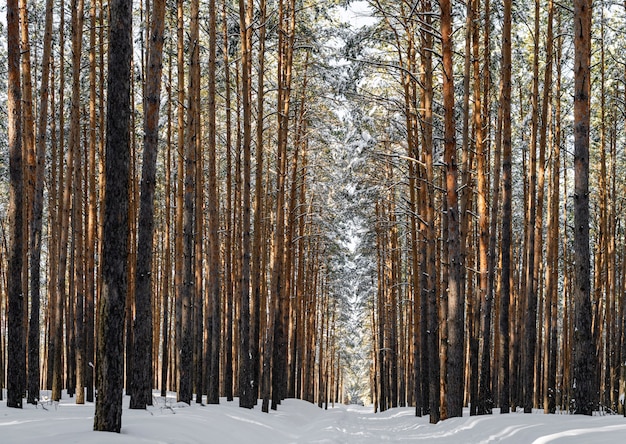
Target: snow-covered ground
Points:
(295, 422)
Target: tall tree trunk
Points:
(16, 363)
(246, 378)
(505, 293)
(535, 229)
(142, 335)
(456, 302)
(186, 345)
(551, 274)
(179, 279)
(286, 25)
(258, 250)
(29, 166)
(214, 245)
(110, 364)
(37, 220)
(165, 343)
(228, 242)
(584, 366)
(64, 189)
(90, 246)
(485, 389)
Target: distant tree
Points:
(37, 222)
(110, 363)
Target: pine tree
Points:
(110, 364)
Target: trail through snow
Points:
(295, 422)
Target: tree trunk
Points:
(246, 379)
(214, 245)
(584, 366)
(505, 293)
(258, 251)
(110, 364)
(16, 364)
(37, 220)
(92, 204)
(456, 302)
(142, 335)
(228, 242)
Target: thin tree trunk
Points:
(485, 387)
(179, 279)
(505, 293)
(186, 345)
(37, 220)
(214, 246)
(167, 268)
(258, 242)
(228, 244)
(90, 246)
(246, 381)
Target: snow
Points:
(295, 422)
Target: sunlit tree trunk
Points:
(456, 302)
(485, 391)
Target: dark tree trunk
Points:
(214, 244)
(505, 294)
(16, 359)
(110, 364)
(142, 335)
(247, 396)
(186, 345)
(583, 359)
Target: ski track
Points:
(295, 422)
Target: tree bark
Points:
(214, 244)
(37, 220)
(16, 363)
(142, 335)
(505, 294)
(110, 364)
(246, 378)
(456, 302)
(583, 360)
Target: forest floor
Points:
(294, 422)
